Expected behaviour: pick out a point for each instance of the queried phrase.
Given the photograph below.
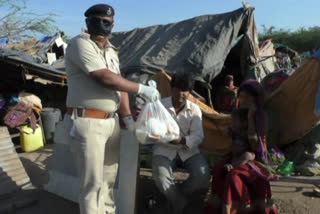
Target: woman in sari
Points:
(245, 188)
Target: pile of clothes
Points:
(16, 110)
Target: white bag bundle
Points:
(156, 125)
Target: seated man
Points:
(182, 151)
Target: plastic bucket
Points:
(50, 117)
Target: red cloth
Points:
(215, 210)
(242, 186)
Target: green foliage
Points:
(303, 39)
(67, 38)
(18, 22)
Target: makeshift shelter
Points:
(267, 55)
(291, 107)
(39, 85)
(52, 48)
(18, 66)
(48, 49)
(210, 46)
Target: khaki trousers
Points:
(95, 144)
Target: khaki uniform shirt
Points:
(82, 57)
(189, 120)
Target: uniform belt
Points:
(91, 113)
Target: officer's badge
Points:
(109, 12)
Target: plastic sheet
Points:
(156, 125)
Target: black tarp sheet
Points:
(199, 45)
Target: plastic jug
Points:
(30, 141)
(286, 168)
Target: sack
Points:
(156, 125)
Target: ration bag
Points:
(156, 125)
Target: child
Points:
(240, 148)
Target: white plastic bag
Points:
(156, 125)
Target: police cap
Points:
(100, 9)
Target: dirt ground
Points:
(292, 195)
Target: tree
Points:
(302, 39)
(18, 22)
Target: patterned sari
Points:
(245, 188)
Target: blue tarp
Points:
(317, 54)
(317, 104)
(3, 42)
(44, 39)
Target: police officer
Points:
(96, 91)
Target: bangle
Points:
(252, 136)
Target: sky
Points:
(130, 14)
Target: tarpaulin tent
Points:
(209, 46)
(291, 107)
(199, 45)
